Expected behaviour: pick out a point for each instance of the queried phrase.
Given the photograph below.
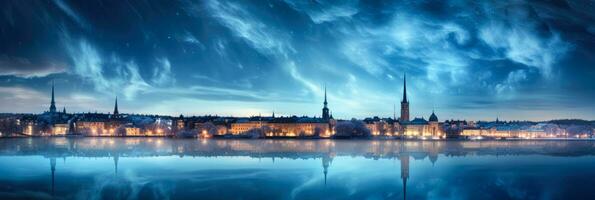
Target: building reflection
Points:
(53, 172)
(327, 160)
(404, 158)
(374, 149)
(116, 159)
(326, 150)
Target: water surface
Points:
(160, 168)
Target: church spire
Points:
(405, 102)
(325, 110)
(405, 88)
(53, 102)
(116, 107)
(325, 102)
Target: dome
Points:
(433, 117)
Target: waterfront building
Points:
(382, 126)
(132, 131)
(513, 130)
(298, 127)
(434, 127)
(60, 129)
(92, 125)
(244, 125)
(418, 127)
(286, 126)
(283, 126)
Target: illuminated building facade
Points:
(60, 129)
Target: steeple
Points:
(404, 102)
(404, 88)
(64, 110)
(325, 110)
(325, 103)
(116, 107)
(53, 102)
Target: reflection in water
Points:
(171, 168)
(53, 169)
(404, 169)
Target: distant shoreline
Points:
(296, 138)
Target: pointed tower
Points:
(325, 110)
(404, 102)
(53, 102)
(116, 112)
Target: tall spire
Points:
(405, 88)
(53, 102)
(325, 110)
(405, 102)
(116, 107)
(325, 103)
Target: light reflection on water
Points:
(160, 168)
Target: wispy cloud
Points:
(523, 46)
(108, 75)
(23, 67)
(326, 11)
(70, 13)
(162, 75)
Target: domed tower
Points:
(434, 126)
(433, 117)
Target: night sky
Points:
(473, 60)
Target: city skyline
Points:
(477, 61)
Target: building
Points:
(244, 125)
(60, 129)
(92, 125)
(382, 126)
(297, 127)
(418, 127)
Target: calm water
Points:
(159, 168)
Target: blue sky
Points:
(464, 59)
